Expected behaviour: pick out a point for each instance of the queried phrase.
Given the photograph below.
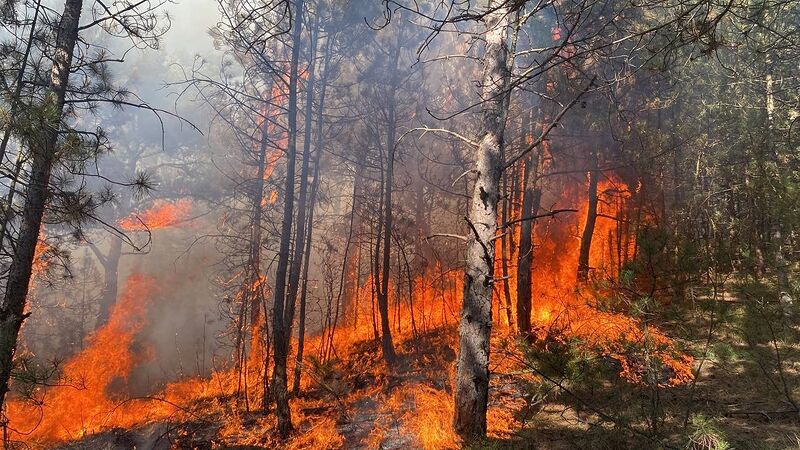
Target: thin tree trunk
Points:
(251, 297)
(300, 226)
(108, 296)
(282, 310)
(782, 267)
(313, 201)
(506, 252)
(352, 257)
(8, 209)
(472, 377)
(591, 219)
(531, 197)
(19, 275)
(383, 294)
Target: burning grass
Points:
(344, 378)
(81, 404)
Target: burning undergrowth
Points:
(83, 402)
(162, 214)
(348, 398)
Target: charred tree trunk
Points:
(108, 296)
(44, 156)
(352, 256)
(314, 188)
(251, 294)
(591, 220)
(472, 378)
(300, 225)
(383, 294)
(304, 289)
(283, 310)
(506, 250)
(531, 197)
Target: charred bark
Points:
(531, 197)
(301, 332)
(383, 293)
(283, 313)
(108, 295)
(591, 220)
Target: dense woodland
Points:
(324, 224)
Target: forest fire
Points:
(462, 225)
(162, 214)
(92, 397)
(83, 402)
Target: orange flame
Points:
(80, 404)
(41, 259)
(161, 215)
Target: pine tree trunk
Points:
(281, 308)
(352, 256)
(301, 328)
(300, 225)
(472, 377)
(108, 296)
(591, 219)
(383, 294)
(530, 206)
(19, 275)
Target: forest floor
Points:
(356, 403)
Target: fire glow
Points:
(162, 214)
(91, 399)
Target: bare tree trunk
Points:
(506, 251)
(301, 329)
(282, 310)
(352, 257)
(383, 293)
(782, 266)
(472, 377)
(19, 275)
(108, 296)
(300, 226)
(251, 293)
(531, 197)
(591, 219)
(313, 201)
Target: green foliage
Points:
(704, 435)
(564, 360)
(724, 353)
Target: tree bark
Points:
(19, 276)
(591, 219)
(108, 296)
(383, 294)
(281, 308)
(531, 197)
(352, 256)
(506, 250)
(313, 200)
(472, 377)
